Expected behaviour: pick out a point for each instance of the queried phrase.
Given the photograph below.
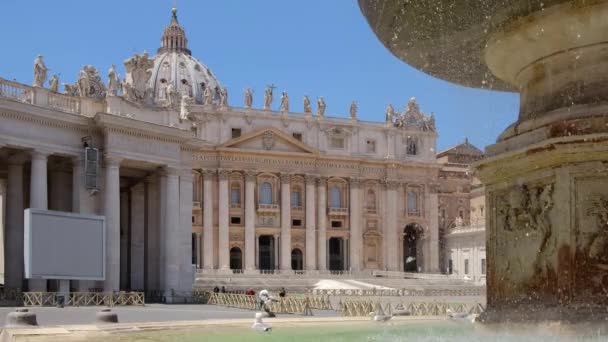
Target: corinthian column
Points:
(355, 225)
(224, 233)
(391, 236)
(311, 251)
(250, 221)
(322, 223)
(112, 213)
(208, 219)
(285, 262)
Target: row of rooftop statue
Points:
(135, 88)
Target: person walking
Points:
(216, 289)
(282, 292)
(223, 290)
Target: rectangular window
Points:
(236, 132)
(295, 199)
(370, 146)
(235, 196)
(296, 223)
(466, 266)
(297, 136)
(336, 142)
(336, 224)
(235, 220)
(412, 203)
(450, 266)
(483, 266)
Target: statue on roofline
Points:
(40, 72)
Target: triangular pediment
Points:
(269, 139)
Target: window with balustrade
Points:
(296, 197)
(370, 200)
(266, 193)
(335, 197)
(412, 203)
(235, 195)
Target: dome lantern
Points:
(174, 37)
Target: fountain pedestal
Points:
(546, 178)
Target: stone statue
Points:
(207, 96)
(224, 97)
(113, 81)
(248, 98)
(171, 95)
(353, 110)
(284, 102)
(320, 106)
(268, 97)
(83, 83)
(54, 83)
(184, 111)
(89, 83)
(390, 112)
(40, 71)
(139, 70)
(307, 108)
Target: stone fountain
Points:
(546, 177)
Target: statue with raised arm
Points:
(284, 102)
(54, 83)
(207, 96)
(390, 112)
(170, 94)
(248, 98)
(353, 110)
(113, 81)
(268, 98)
(320, 106)
(224, 97)
(40, 71)
(307, 108)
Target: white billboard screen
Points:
(61, 245)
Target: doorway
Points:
(336, 254)
(266, 252)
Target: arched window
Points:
(296, 197)
(266, 193)
(335, 198)
(235, 194)
(412, 202)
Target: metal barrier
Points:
(84, 298)
(357, 308)
(285, 305)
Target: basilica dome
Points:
(175, 65)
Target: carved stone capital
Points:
(390, 184)
(285, 177)
(250, 176)
(223, 174)
(434, 188)
(209, 173)
(322, 181)
(40, 155)
(170, 171)
(310, 179)
(112, 160)
(18, 158)
(355, 182)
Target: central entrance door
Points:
(236, 259)
(336, 254)
(410, 256)
(266, 252)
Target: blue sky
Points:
(306, 47)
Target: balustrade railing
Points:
(16, 91)
(70, 104)
(337, 211)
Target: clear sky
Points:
(306, 47)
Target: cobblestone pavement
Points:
(149, 313)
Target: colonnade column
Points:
(170, 226)
(112, 213)
(208, 245)
(285, 260)
(38, 200)
(13, 252)
(311, 251)
(250, 221)
(183, 232)
(355, 247)
(224, 233)
(138, 211)
(391, 236)
(2, 226)
(322, 223)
